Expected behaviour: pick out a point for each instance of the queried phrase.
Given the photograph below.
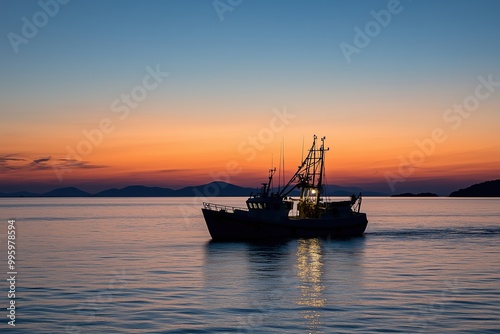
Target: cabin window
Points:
(260, 205)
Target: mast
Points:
(321, 168)
(268, 186)
(309, 175)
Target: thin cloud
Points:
(11, 162)
(77, 164)
(39, 164)
(171, 170)
(37, 161)
(10, 157)
(14, 163)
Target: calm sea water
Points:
(146, 265)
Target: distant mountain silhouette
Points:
(137, 191)
(416, 195)
(66, 192)
(212, 189)
(224, 189)
(484, 189)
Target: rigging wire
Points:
(283, 161)
(327, 194)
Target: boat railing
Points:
(224, 208)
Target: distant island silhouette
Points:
(224, 189)
(212, 189)
(216, 188)
(484, 189)
(416, 195)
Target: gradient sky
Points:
(231, 71)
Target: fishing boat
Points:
(275, 214)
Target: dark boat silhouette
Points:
(272, 215)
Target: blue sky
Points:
(281, 40)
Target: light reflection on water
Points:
(310, 273)
(148, 265)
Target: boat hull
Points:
(223, 225)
